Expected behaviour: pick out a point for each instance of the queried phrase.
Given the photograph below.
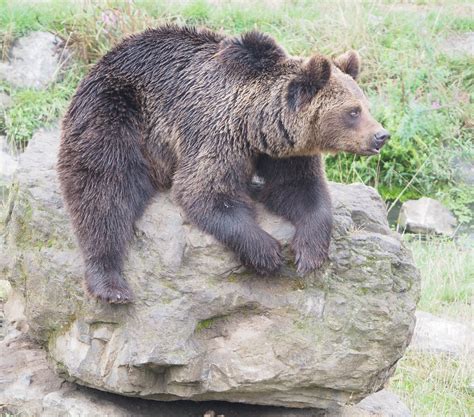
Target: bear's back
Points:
(155, 52)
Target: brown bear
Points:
(205, 112)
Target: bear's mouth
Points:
(371, 151)
(375, 150)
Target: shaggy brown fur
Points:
(205, 113)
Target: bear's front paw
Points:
(264, 256)
(309, 257)
(111, 290)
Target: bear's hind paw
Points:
(112, 294)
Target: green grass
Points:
(434, 385)
(420, 93)
(33, 108)
(447, 270)
(439, 385)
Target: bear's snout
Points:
(379, 140)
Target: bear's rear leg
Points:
(104, 209)
(106, 185)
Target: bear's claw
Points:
(308, 262)
(111, 293)
(266, 259)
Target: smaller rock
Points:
(437, 335)
(212, 413)
(8, 162)
(380, 404)
(14, 315)
(463, 168)
(5, 102)
(5, 289)
(459, 44)
(426, 216)
(384, 404)
(24, 375)
(35, 61)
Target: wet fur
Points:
(204, 113)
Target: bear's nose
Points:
(379, 140)
(381, 137)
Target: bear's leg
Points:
(106, 185)
(295, 188)
(214, 197)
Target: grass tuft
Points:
(434, 385)
(447, 269)
(33, 108)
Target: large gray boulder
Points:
(28, 387)
(438, 335)
(426, 216)
(203, 327)
(35, 61)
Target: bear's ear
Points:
(314, 76)
(253, 51)
(349, 63)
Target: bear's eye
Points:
(355, 113)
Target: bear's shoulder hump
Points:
(253, 51)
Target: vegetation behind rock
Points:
(419, 84)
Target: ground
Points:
(440, 385)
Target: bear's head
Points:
(302, 107)
(332, 111)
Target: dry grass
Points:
(447, 269)
(438, 385)
(435, 385)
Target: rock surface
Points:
(437, 335)
(29, 387)
(8, 163)
(35, 61)
(5, 289)
(426, 216)
(383, 404)
(203, 327)
(5, 102)
(459, 44)
(463, 168)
